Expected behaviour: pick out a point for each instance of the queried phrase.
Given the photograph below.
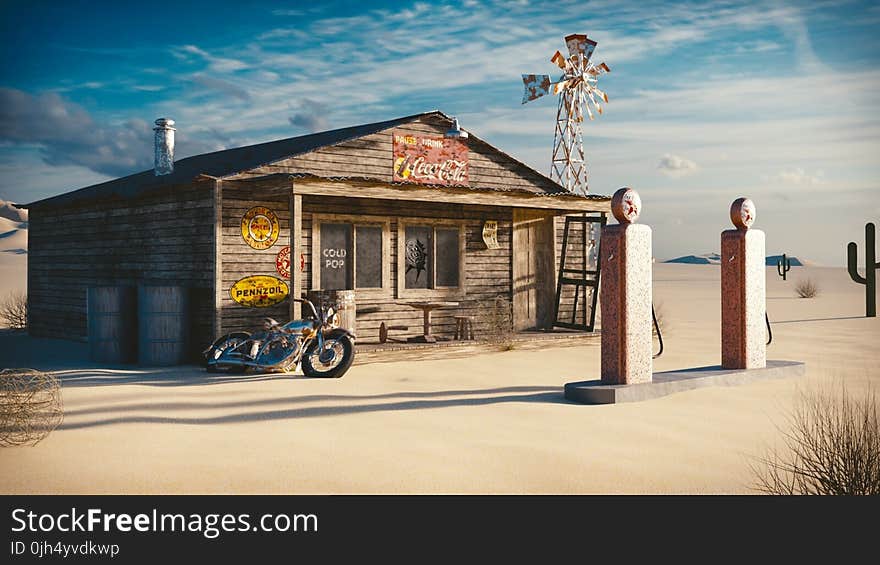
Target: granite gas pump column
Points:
(743, 299)
(626, 294)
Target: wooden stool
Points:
(464, 327)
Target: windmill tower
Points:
(576, 88)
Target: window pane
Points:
(417, 259)
(335, 250)
(368, 243)
(447, 261)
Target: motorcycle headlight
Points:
(334, 320)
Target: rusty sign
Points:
(490, 234)
(282, 262)
(429, 160)
(259, 291)
(260, 227)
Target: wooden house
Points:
(397, 211)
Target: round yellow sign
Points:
(260, 228)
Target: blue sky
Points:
(708, 101)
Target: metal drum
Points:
(112, 324)
(342, 302)
(163, 325)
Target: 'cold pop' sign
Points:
(429, 160)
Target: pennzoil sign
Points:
(259, 291)
(429, 160)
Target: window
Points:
(431, 259)
(335, 253)
(368, 249)
(348, 254)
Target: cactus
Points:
(783, 266)
(871, 265)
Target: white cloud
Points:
(797, 176)
(675, 166)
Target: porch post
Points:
(296, 275)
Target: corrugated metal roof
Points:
(240, 159)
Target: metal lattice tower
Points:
(577, 89)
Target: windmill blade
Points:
(536, 86)
(560, 86)
(604, 67)
(558, 59)
(593, 100)
(580, 47)
(601, 94)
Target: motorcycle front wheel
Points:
(333, 360)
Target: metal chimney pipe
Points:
(164, 146)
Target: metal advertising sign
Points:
(429, 160)
(259, 291)
(490, 234)
(282, 262)
(260, 228)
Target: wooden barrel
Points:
(342, 302)
(163, 325)
(112, 320)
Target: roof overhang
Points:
(351, 188)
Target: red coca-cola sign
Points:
(429, 160)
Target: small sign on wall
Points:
(282, 262)
(490, 234)
(260, 227)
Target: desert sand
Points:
(488, 423)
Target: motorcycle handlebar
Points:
(311, 306)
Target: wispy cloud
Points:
(675, 166)
(312, 116)
(796, 176)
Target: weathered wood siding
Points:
(163, 239)
(370, 157)
(239, 260)
(488, 272)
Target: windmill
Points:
(577, 89)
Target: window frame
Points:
(434, 291)
(355, 221)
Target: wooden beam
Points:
(295, 250)
(365, 189)
(217, 322)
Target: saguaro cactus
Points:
(871, 266)
(783, 266)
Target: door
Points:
(534, 262)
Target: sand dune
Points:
(487, 423)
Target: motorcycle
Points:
(318, 345)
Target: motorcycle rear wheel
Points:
(333, 361)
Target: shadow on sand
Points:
(289, 406)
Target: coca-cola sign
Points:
(429, 160)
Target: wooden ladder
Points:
(580, 277)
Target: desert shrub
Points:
(496, 317)
(30, 406)
(806, 288)
(832, 446)
(14, 309)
